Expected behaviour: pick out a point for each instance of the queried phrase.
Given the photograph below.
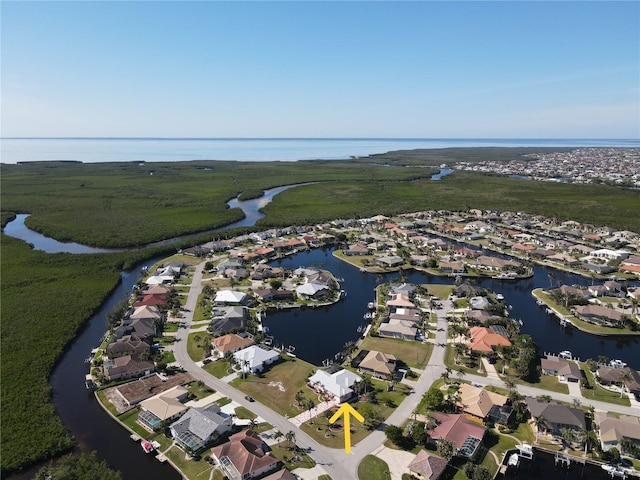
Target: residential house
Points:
(244, 456)
(378, 364)
(230, 343)
(614, 376)
(464, 433)
(335, 381)
(427, 466)
(128, 366)
(557, 417)
(164, 407)
(599, 315)
(613, 430)
(566, 370)
(151, 299)
(396, 328)
(128, 345)
(255, 358)
(283, 474)
(484, 340)
(484, 405)
(272, 295)
(228, 319)
(199, 427)
(231, 297)
(389, 261)
(357, 249)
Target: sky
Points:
(416, 69)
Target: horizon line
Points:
(304, 138)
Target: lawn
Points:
(218, 368)
(194, 346)
(372, 468)
(291, 459)
(414, 354)
(200, 390)
(277, 387)
(599, 393)
(440, 291)
(449, 361)
(191, 469)
(546, 382)
(244, 413)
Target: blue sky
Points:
(321, 69)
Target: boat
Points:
(615, 471)
(499, 296)
(147, 446)
(367, 316)
(540, 303)
(89, 383)
(565, 354)
(371, 305)
(617, 364)
(514, 460)
(525, 450)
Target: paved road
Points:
(336, 462)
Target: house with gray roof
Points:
(556, 416)
(613, 430)
(199, 426)
(228, 319)
(566, 371)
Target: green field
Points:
(45, 299)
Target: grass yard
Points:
(414, 354)
(244, 413)
(278, 386)
(599, 393)
(218, 368)
(372, 468)
(194, 346)
(440, 291)
(291, 459)
(200, 390)
(450, 361)
(191, 469)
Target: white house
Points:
(254, 358)
(337, 383)
(230, 297)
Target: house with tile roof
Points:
(244, 456)
(483, 404)
(565, 370)
(556, 416)
(613, 430)
(230, 343)
(199, 427)
(378, 364)
(164, 407)
(484, 340)
(465, 434)
(427, 466)
(128, 366)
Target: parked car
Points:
(248, 398)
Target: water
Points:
(90, 150)
(319, 334)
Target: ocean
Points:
(92, 150)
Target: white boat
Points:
(371, 305)
(615, 471)
(514, 460)
(617, 364)
(526, 450)
(147, 446)
(565, 354)
(367, 316)
(499, 296)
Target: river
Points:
(317, 334)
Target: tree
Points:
(625, 377)
(447, 449)
(277, 435)
(299, 397)
(394, 434)
(275, 283)
(310, 404)
(446, 375)
(290, 436)
(85, 466)
(540, 423)
(434, 399)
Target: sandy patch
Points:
(277, 384)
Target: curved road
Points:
(336, 462)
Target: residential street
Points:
(336, 462)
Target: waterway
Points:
(320, 333)
(317, 335)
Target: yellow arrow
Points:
(347, 410)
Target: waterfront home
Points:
(255, 358)
(273, 295)
(613, 430)
(484, 340)
(164, 407)
(388, 261)
(229, 263)
(335, 381)
(151, 312)
(565, 370)
(599, 315)
(465, 434)
(356, 249)
(230, 343)
(244, 456)
(128, 366)
(227, 319)
(616, 376)
(129, 345)
(263, 271)
(231, 297)
(134, 392)
(151, 299)
(557, 417)
(484, 405)
(199, 427)
(427, 466)
(378, 364)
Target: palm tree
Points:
(310, 404)
(245, 367)
(299, 397)
(540, 423)
(277, 435)
(625, 377)
(290, 437)
(460, 374)
(446, 374)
